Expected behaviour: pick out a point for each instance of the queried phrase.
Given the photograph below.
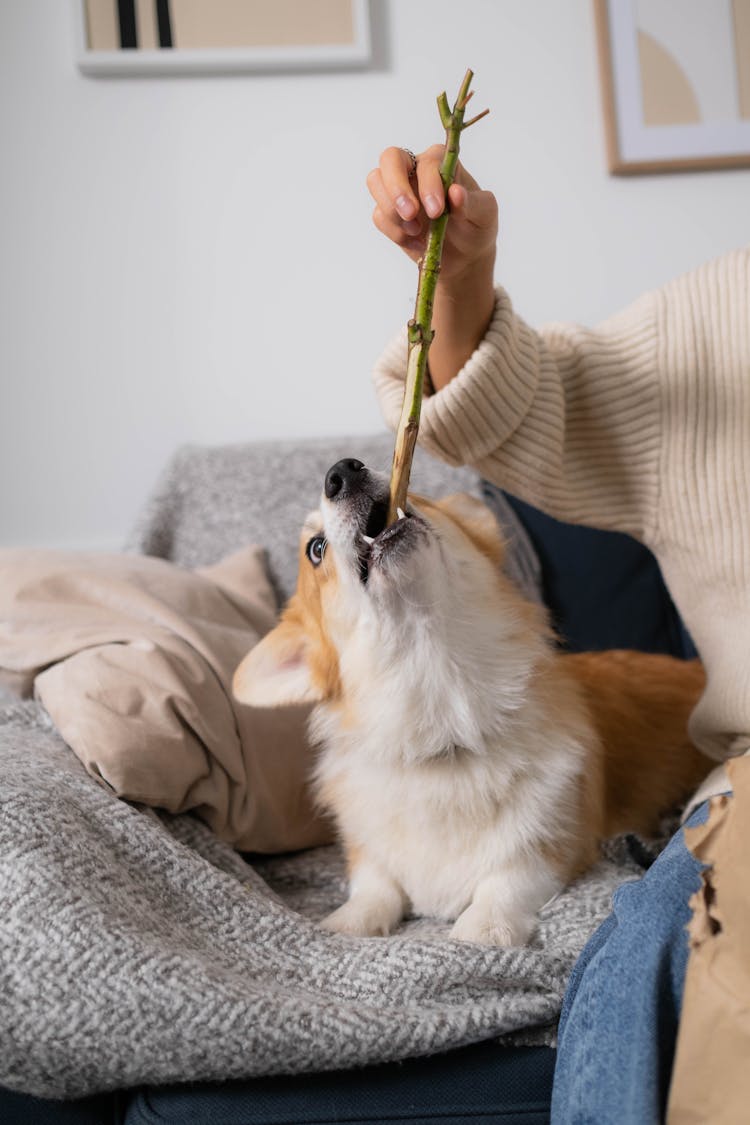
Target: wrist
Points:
(463, 309)
(475, 279)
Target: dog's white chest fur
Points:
(433, 816)
(430, 826)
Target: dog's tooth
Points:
(367, 538)
(401, 513)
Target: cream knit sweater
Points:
(639, 425)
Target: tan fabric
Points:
(640, 425)
(711, 1078)
(133, 659)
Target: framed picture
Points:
(675, 83)
(130, 37)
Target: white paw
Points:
(352, 918)
(486, 927)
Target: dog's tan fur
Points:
(498, 805)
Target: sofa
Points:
(488, 1053)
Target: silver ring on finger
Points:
(412, 157)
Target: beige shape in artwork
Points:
(261, 23)
(668, 98)
(102, 30)
(741, 18)
(145, 22)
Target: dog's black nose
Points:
(343, 478)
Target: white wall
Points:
(192, 259)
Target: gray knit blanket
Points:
(137, 948)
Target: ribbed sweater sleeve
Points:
(567, 418)
(704, 364)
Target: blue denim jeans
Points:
(619, 1020)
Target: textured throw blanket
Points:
(137, 948)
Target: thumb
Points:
(478, 208)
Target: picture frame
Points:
(675, 81)
(164, 37)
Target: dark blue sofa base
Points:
(479, 1084)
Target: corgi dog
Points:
(471, 768)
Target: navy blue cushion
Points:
(604, 589)
(22, 1109)
(478, 1084)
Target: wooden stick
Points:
(420, 331)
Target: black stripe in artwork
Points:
(126, 13)
(164, 22)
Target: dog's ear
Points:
(477, 521)
(276, 673)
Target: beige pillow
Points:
(133, 659)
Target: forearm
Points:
(555, 416)
(461, 315)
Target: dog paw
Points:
(352, 919)
(485, 928)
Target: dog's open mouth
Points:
(377, 540)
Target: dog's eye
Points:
(315, 549)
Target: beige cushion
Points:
(133, 659)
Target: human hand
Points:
(465, 294)
(405, 203)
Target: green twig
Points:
(420, 332)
